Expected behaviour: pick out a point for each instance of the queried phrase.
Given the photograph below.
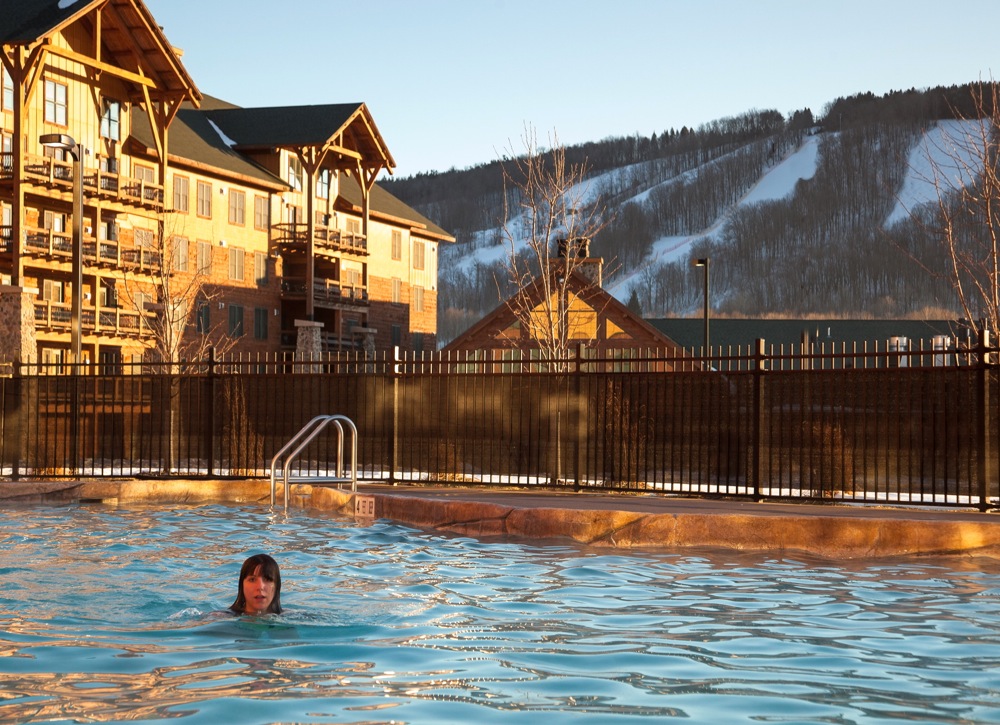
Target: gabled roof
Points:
(629, 330)
(194, 139)
(128, 31)
(384, 204)
(24, 21)
(349, 125)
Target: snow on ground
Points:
(778, 183)
(946, 157)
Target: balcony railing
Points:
(104, 184)
(325, 239)
(48, 242)
(114, 321)
(326, 291)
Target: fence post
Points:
(757, 419)
(581, 427)
(394, 419)
(13, 411)
(210, 426)
(983, 417)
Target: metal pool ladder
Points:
(303, 438)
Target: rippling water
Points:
(106, 614)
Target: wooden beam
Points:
(103, 67)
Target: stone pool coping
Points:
(603, 520)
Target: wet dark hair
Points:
(268, 570)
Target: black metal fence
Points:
(868, 426)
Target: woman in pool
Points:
(260, 587)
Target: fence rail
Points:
(868, 426)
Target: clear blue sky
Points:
(453, 82)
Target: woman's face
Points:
(258, 591)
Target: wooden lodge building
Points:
(253, 230)
(512, 336)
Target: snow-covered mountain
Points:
(797, 221)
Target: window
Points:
(260, 323)
(203, 320)
(323, 184)
(397, 244)
(53, 291)
(180, 254)
(354, 227)
(55, 103)
(54, 222)
(236, 320)
(418, 255)
(418, 341)
(236, 256)
(145, 174)
(260, 268)
(418, 299)
(294, 172)
(52, 360)
(397, 335)
(260, 212)
(204, 199)
(8, 90)
(182, 194)
(204, 258)
(237, 207)
(145, 239)
(397, 290)
(108, 295)
(142, 302)
(7, 147)
(111, 121)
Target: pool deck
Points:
(835, 531)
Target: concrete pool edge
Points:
(614, 521)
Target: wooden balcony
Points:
(46, 243)
(110, 321)
(326, 292)
(58, 175)
(291, 239)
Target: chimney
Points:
(579, 247)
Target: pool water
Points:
(107, 614)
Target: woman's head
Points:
(259, 587)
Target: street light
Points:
(67, 144)
(703, 262)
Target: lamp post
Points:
(67, 144)
(703, 262)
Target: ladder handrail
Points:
(309, 431)
(274, 461)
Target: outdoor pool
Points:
(105, 614)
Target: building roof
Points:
(24, 21)
(128, 30)
(621, 328)
(386, 205)
(195, 136)
(689, 332)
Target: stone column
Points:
(308, 345)
(18, 343)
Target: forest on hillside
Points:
(824, 250)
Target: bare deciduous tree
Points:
(162, 278)
(966, 179)
(547, 204)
